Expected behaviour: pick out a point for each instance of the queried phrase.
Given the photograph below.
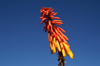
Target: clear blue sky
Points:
(23, 43)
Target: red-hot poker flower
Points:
(55, 36)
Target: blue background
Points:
(23, 43)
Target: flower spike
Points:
(55, 36)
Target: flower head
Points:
(55, 34)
